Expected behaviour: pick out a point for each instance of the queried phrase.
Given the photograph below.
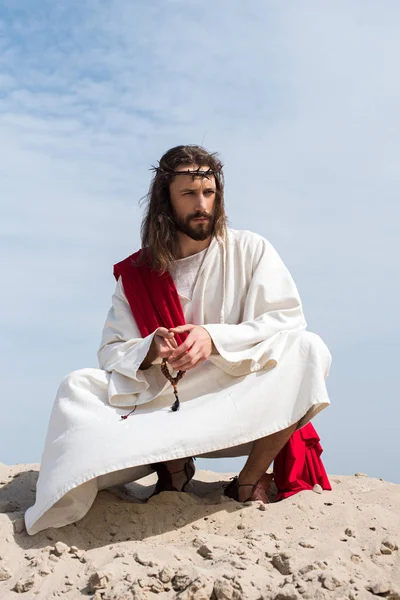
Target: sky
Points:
(301, 101)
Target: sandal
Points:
(164, 483)
(258, 490)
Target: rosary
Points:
(174, 381)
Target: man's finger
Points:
(169, 344)
(178, 360)
(191, 361)
(164, 351)
(164, 333)
(182, 363)
(165, 345)
(182, 328)
(197, 360)
(184, 357)
(173, 343)
(183, 348)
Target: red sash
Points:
(154, 302)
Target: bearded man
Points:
(211, 303)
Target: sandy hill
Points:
(202, 546)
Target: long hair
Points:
(158, 230)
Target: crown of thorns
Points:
(194, 172)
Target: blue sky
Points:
(300, 99)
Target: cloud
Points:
(301, 101)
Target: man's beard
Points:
(196, 231)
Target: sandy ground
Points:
(203, 546)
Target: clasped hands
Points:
(195, 349)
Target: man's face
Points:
(192, 200)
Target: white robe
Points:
(269, 373)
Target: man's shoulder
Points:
(250, 246)
(244, 237)
(127, 264)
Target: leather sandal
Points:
(258, 490)
(164, 483)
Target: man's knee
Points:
(313, 345)
(82, 378)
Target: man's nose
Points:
(201, 202)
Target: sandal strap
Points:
(254, 486)
(235, 485)
(165, 476)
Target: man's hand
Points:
(195, 349)
(164, 342)
(162, 346)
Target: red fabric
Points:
(152, 296)
(154, 302)
(298, 465)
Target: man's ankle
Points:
(248, 478)
(245, 491)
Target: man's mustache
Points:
(199, 216)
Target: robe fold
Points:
(269, 373)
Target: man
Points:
(200, 300)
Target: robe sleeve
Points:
(122, 351)
(272, 310)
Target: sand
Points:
(199, 546)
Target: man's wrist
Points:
(146, 364)
(150, 357)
